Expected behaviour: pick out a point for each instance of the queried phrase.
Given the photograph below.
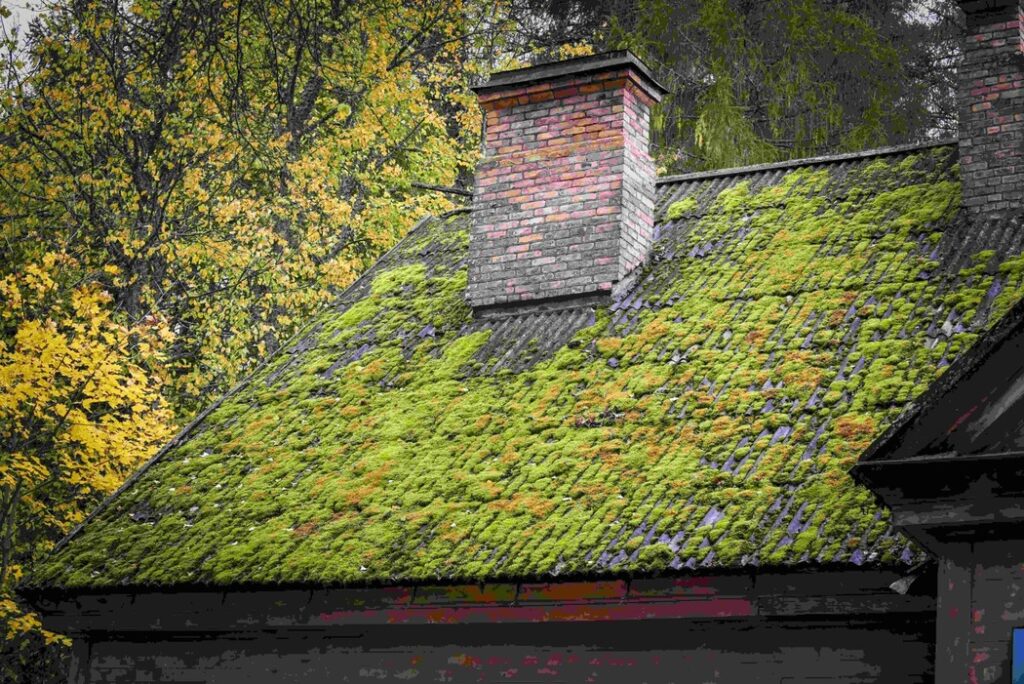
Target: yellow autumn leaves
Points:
(79, 409)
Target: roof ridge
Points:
(807, 161)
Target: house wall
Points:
(654, 652)
(980, 601)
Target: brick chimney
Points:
(564, 199)
(991, 95)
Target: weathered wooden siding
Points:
(980, 602)
(654, 652)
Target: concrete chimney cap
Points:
(985, 5)
(577, 66)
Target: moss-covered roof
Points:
(706, 419)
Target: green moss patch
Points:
(679, 209)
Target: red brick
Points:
(563, 162)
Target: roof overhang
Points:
(824, 594)
(943, 501)
(944, 468)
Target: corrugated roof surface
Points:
(706, 419)
(976, 408)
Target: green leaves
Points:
(755, 82)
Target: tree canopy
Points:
(766, 80)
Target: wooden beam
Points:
(822, 594)
(952, 623)
(78, 666)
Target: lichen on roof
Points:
(706, 419)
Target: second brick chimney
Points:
(991, 111)
(563, 204)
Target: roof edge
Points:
(806, 568)
(963, 366)
(204, 413)
(807, 161)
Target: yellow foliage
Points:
(78, 412)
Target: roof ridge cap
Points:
(807, 161)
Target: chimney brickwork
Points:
(991, 83)
(564, 196)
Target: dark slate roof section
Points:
(706, 419)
